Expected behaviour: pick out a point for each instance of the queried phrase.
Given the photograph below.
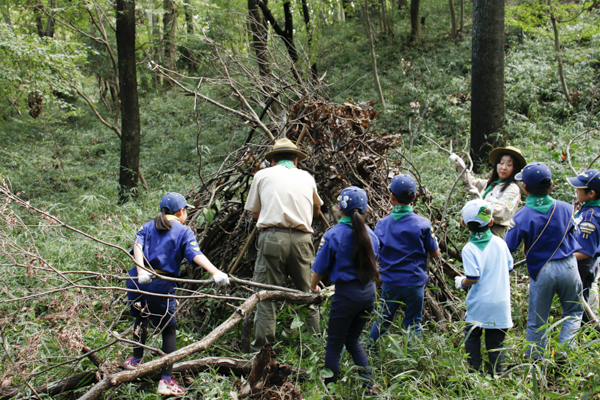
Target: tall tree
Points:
(260, 33)
(487, 77)
(128, 96)
(169, 35)
(415, 22)
(373, 56)
(40, 11)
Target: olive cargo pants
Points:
(281, 254)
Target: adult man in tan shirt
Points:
(283, 200)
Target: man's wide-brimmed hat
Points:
(285, 145)
(513, 151)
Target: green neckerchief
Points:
(593, 203)
(346, 220)
(481, 239)
(491, 186)
(539, 203)
(400, 211)
(287, 163)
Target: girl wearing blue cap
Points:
(160, 246)
(348, 253)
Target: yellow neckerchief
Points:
(172, 217)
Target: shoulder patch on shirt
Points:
(196, 248)
(321, 243)
(512, 224)
(193, 243)
(587, 227)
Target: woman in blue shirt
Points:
(160, 246)
(348, 253)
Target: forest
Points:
(106, 105)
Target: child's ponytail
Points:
(161, 223)
(362, 255)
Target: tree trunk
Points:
(558, 48)
(260, 33)
(373, 56)
(487, 79)
(415, 23)
(462, 17)
(128, 96)
(40, 10)
(453, 23)
(170, 10)
(306, 15)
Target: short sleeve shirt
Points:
(587, 228)
(488, 301)
(334, 257)
(404, 245)
(527, 226)
(285, 198)
(165, 250)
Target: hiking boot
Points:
(169, 388)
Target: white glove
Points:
(458, 282)
(457, 160)
(144, 277)
(474, 193)
(221, 278)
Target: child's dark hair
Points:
(596, 193)
(475, 227)
(539, 191)
(284, 156)
(161, 223)
(362, 254)
(406, 197)
(494, 176)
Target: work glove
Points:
(458, 282)
(474, 193)
(144, 277)
(221, 278)
(458, 161)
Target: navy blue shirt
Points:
(587, 228)
(404, 247)
(165, 250)
(334, 257)
(528, 224)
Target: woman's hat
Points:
(353, 197)
(513, 151)
(173, 202)
(285, 145)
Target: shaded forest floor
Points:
(67, 163)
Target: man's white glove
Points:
(221, 278)
(458, 161)
(458, 282)
(144, 277)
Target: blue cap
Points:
(173, 202)
(477, 210)
(536, 174)
(589, 179)
(402, 182)
(353, 197)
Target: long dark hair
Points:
(494, 176)
(161, 223)
(362, 254)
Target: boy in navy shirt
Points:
(406, 238)
(587, 226)
(546, 227)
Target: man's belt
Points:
(280, 229)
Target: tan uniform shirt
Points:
(285, 198)
(505, 204)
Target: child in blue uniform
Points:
(348, 253)
(487, 263)
(587, 226)
(545, 226)
(160, 246)
(405, 240)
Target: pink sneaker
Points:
(130, 365)
(169, 388)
